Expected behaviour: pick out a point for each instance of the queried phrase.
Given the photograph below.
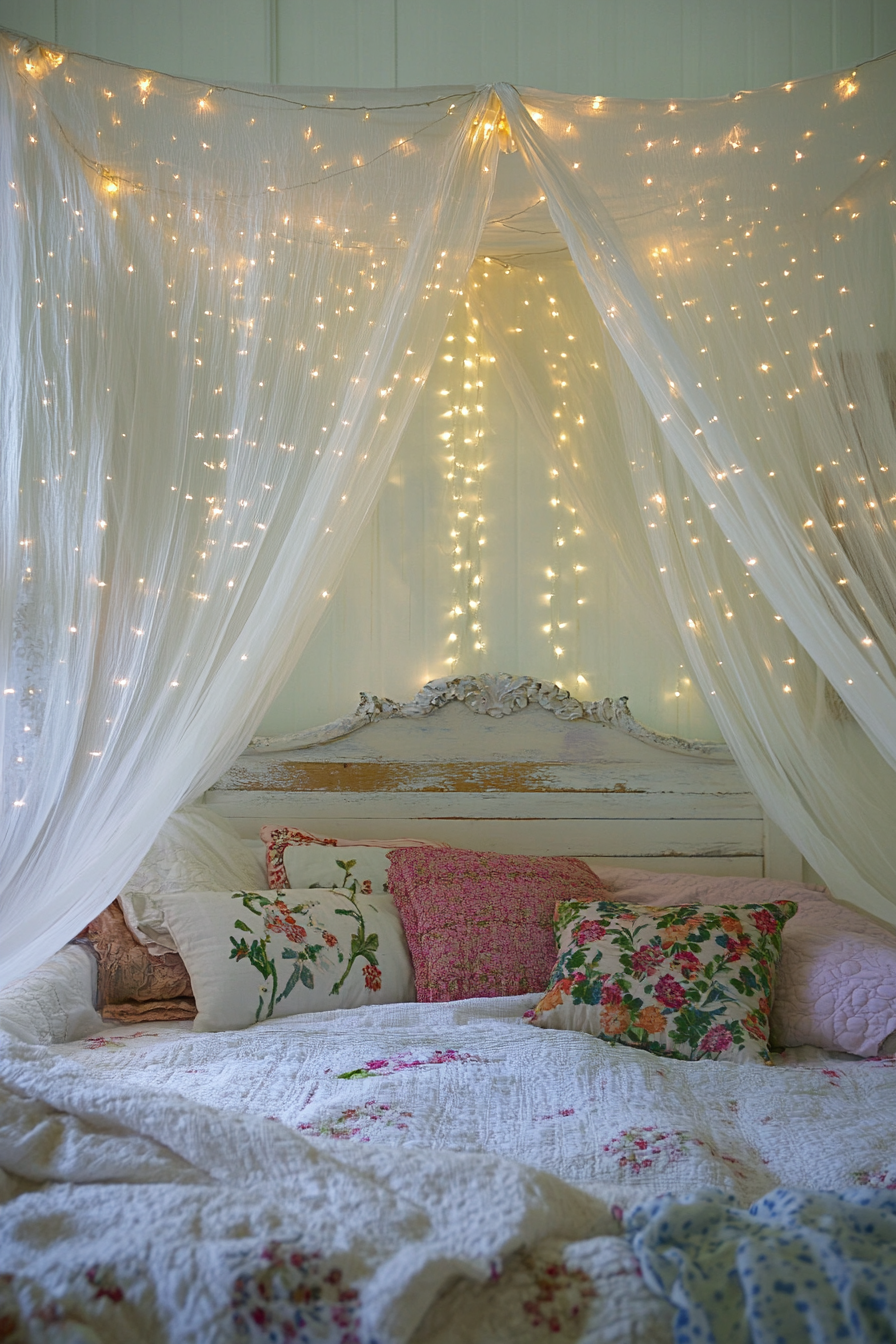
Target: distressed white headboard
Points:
(515, 765)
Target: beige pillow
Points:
(132, 985)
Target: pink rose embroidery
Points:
(373, 977)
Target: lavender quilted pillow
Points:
(836, 983)
(479, 925)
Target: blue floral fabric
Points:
(798, 1265)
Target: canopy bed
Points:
(221, 307)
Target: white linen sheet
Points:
(399, 1106)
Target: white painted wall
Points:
(385, 629)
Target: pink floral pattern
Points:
(290, 1296)
(639, 1149)
(645, 1147)
(690, 981)
(559, 1295)
(104, 1283)
(279, 918)
(877, 1180)
(356, 1122)
(479, 925)
(406, 1060)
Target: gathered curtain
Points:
(739, 252)
(220, 305)
(219, 308)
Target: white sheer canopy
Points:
(225, 304)
(741, 254)
(220, 306)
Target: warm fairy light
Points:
(848, 86)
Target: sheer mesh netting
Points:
(219, 308)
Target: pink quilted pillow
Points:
(277, 840)
(479, 925)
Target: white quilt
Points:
(353, 1166)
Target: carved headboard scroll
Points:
(496, 696)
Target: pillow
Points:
(196, 851)
(257, 955)
(131, 985)
(691, 981)
(303, 853)
(836, 983)
(479, 925)
(323, 866)
(54, 1003)
(146, 921)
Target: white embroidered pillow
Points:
(302, 859)
(253, 956)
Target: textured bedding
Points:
(432, 1105)
(55, 1002)
(475, 1076)
(158, 1184)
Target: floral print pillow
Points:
(302, 859)
(691, 981)
(257, 955)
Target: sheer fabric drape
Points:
(740, 253)
(218, 309)
(219, 306)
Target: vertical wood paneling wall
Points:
(628, 48)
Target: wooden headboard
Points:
(515, 765)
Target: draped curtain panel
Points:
(219, 307)
(740, 253)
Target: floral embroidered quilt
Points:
(355, 1175)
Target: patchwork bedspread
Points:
(393, 1167)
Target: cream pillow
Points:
(252, 956)
(196, 851)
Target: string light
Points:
(467, 361)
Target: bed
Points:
(433, 1171)
(516, 764)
